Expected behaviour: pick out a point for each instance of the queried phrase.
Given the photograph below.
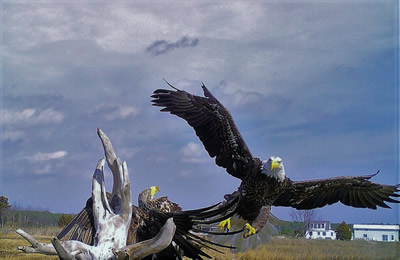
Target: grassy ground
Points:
(9, 241)
(291, 249)
(282, 249)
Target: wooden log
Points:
(147, 247)
(111, 219)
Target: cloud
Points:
(162, 47)
(186, 174)
(298, 79)
(115, 112)
(13, 136)
(41, 157)
(128, 152)
(30, 116)
(193, 153)
(45, 169)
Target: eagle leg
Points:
(250, 231)
(259, 222)
(225, 224)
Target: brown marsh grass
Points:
(293, 249)
(9, 241)
(276, 248)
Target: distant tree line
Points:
(13, 216)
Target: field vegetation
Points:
(9, 241)
(277, 248)
(44, 226)
(301, 248)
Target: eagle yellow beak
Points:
(154, 190)
(274, 164)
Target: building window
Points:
(322, 225)
(310, 233)
(365, 235)
(312, 225)
(392, 237)
(319, 225)
(384, 237)
(324, 233)
(319, 233)
(331, 234)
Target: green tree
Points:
(4, 203)
(343, 231)
(4, 207)
(64, 220)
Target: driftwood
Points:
(111, 219)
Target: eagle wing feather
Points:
(212, 123)
(357, 192)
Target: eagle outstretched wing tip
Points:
(367, 177)
(372, 175)
(207, 93)
(169, 84)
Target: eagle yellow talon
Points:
(251, 231)
(225, 224)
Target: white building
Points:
(320, 230)
(376, 232)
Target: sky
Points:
(315, 82)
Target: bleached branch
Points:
(111, 219)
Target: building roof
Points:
(376, 226)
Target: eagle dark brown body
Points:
(258, 190)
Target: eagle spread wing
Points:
(212, 123)
(81, 226)
(357, 192)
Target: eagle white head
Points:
(274, 168)
(153, 190)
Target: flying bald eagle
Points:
(147, 222)
(264, 183)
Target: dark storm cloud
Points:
(162, 47)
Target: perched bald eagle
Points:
(264, 183)
(147, 220)
(147, 201)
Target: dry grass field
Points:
(283, 249)
(9, 241)
(293, 249)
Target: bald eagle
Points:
(147, 201)
(147, 220)
(264, 183)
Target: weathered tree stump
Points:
(111, 219)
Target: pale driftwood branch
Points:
(111, 220)
(37, 247)
(61, 252)
(112, 162)
(147, 247)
